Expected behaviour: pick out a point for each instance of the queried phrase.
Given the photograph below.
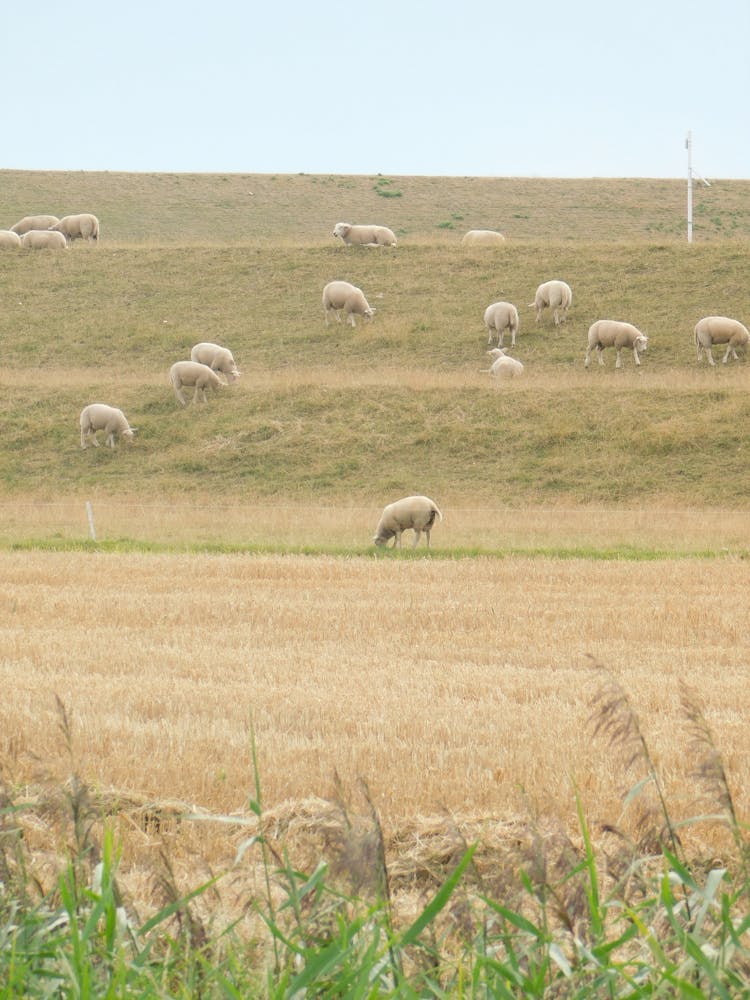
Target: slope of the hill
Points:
(398, 405)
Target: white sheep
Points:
(29, 222)
(193, 373)
(483, 238)
(42, 239)
(417, 513)
(220, 359)
(613, 333)
(9, 239)
(499, 317)
(101, 417)
(556, 295)
(73, 227)
(341, 296)
(370, 236)
(720, 330)
(503, 366)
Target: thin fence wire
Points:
(483, 527)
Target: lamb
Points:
(612, 333)
(100, 417)
(720, 330)
(370, 236)
(193, 373)
(503, 365)
(501, 316)
(483, 238)
(84, 226)
(341, 295)
(556, 295)
(417, 513)
(218, 358)
(41, 239)
(9, 239)
(29, 222)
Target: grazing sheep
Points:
(193, 373)
(369, 236)
(41, 239)
(501, 316)
(483, 238)
(720, 330)
(29, 222)
(612, 333)
(503, 366)
(218, 358)
(557, 296)
(417, 513)
(100, 417)
(84, 227)
(9, 239)
(340, 295)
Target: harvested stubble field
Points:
(461, 681)
(462, 685)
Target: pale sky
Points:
(585, 88)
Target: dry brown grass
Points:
(443, 683)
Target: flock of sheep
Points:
(212, 366)
(341, 297)
(47, 232)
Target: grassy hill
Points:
(398, 405)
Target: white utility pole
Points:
(689, 148)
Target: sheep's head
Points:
(341, 229)
(497, 352)
(129, 433)
(641, 343)
(369, 312)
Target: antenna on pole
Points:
(689, 148)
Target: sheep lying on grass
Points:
(503, 366)
(612, 333)
(720, 330)
(555, 295)
(9, 239)
(369, 236)
(220, 359)
(196, 375)
(341, 296)
(417, 513)
(29, 222)
(74, 227)
(101, 417)
(483, 238)
(43, 239)
(498, 318)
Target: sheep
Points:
(501, 316)
(218, 358)
(720, 330)
(555, 294)
(84, 226)
(341, 295)
(483, 238)
(100, 417)
(417, 513)
(369, 236)
(40, 239)
(29, 222)
(9, 239)
(612, 333)
(503, 366)
(195, 374)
